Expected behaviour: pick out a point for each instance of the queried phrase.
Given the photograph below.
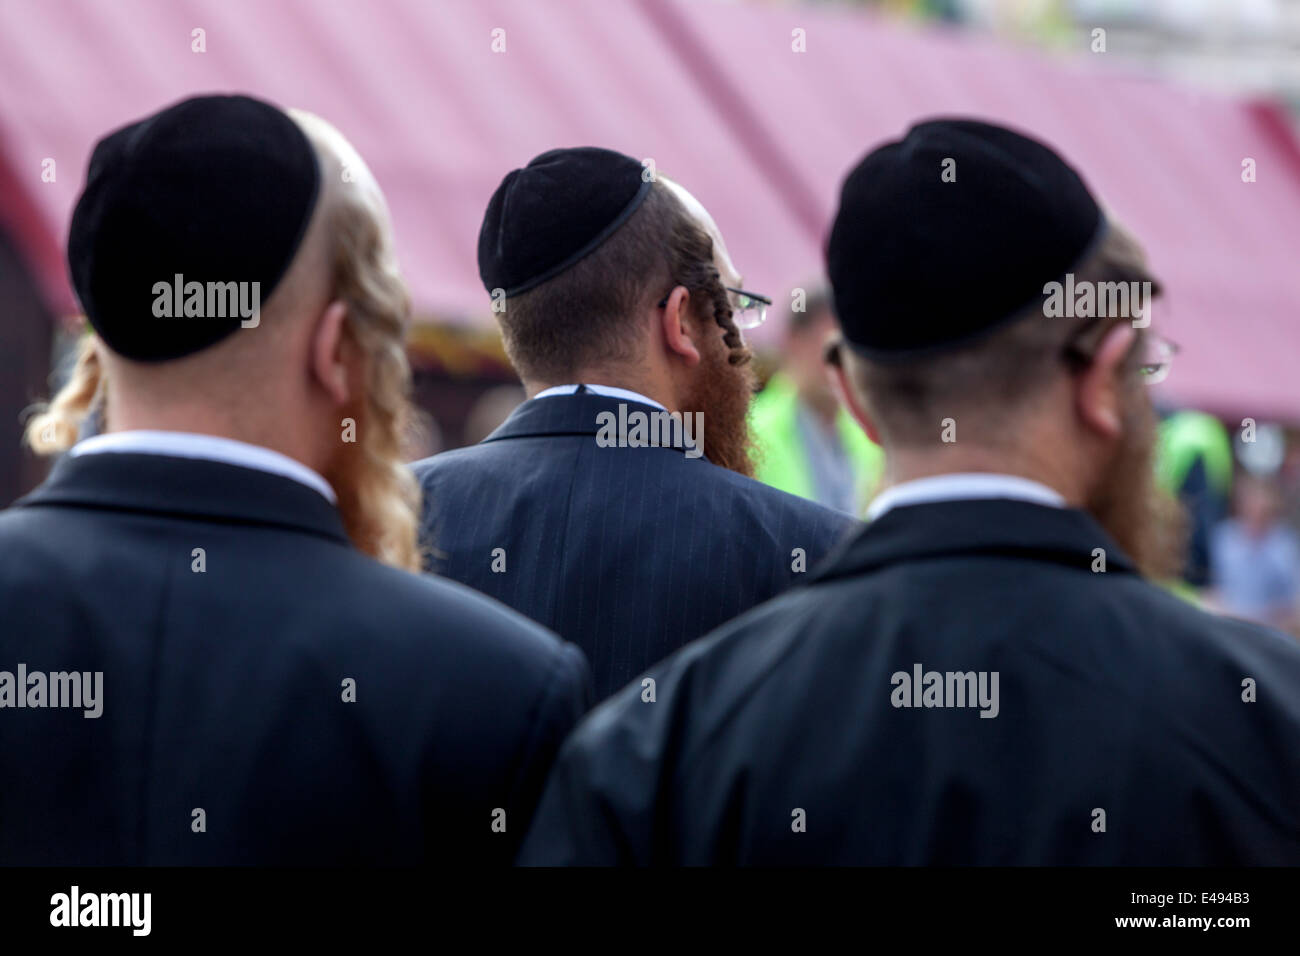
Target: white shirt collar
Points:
(207, 448)
(609, 391)
(963, 486)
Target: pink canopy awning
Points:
(714, 94)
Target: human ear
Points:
(844, 392)
(1099, 388)
(679, 331)
(329, 365)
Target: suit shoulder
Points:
(456, 458)
(407, 631)
(1202, 633)
(808, 513)
(34, 536)
(480, 626)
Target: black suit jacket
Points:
(223, 689)
(627, 552)
(1114, 698)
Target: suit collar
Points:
(175, 444)
(187, 488)
(609, 391)
(963, 486)
(578, 414)
(990, 526)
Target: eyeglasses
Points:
(748, 309)
(1154, 360)
(1157, 357)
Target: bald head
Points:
(700, 216)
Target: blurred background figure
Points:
(806, 443)
(1194, 464)
(1255, 558)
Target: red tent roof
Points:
(714, 94)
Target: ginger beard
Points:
(721, 390)
(1146, 522)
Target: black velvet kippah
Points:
(919, 264)
(556, 210)
(212, 191)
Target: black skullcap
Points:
(215, 189)
(555, 211)
(919, 265)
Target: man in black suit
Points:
(214, 649)
(616, 506)
(983, 675)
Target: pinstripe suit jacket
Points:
(627, 552)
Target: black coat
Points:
(1113, 696)
(223, 690)
(628, 552)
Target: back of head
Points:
(949, 257)
(604, 274)
(574, 301)
(991, 381)
(219, 221)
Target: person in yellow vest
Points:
(1194, 464)
(807, 444)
